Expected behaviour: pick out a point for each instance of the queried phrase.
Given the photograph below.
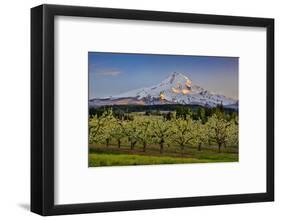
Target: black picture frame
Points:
(42, 109)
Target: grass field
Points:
(113, 156)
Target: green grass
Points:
(96, 160)
(101, 156)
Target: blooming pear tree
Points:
(117, 132)
(161, 132)
(144, 131)
(181, 131)
(130, 130)
(199, 134)
(218, 130)
(107, 128)
(95, 124)
(232, 134)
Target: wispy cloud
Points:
(107, 72)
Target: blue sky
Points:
(114, 73)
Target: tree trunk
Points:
(107, 142)
(161, 147)
(219, 147)
(144, 147)
(199, 146)
(119, 143)
(133, 145)
(182, 150)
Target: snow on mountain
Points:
(176, 89)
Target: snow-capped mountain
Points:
(176, 89)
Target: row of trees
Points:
(182, 111)
(145, 130)
(203, 113)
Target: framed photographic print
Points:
(136, 109)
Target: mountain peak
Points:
(177, 77)
(176, 88)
